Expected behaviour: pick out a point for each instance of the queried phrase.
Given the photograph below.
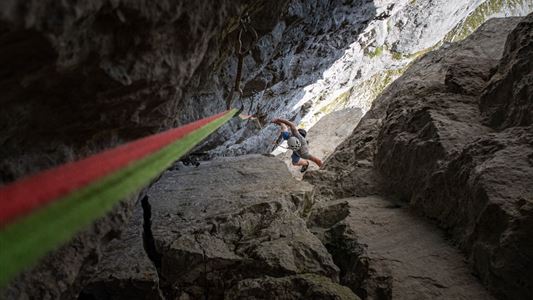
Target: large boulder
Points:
(233, 220)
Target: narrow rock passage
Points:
(386, 252)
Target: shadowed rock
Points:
(426, 142)
(385, 252)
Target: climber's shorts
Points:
(295, 158)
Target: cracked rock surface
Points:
(387, 252)
(451, 138)
(234, 228)
(472, 175)
(125, 270)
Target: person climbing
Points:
(298, 144)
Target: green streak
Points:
(376, 53)
(477, 17)
(24, 242)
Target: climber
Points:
(298, 144)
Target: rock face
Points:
(453, 139)
(229, 229)
(435, 151)
(80, 77)
(234, 220)
(63, 273)
(101, 73)
(343, 58)
(441, 113)
(506, 102)
(127, 268)
(385, 252)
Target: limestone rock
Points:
(85, 76)
(230, 220)
(125, 270)
(435, 151)
(427, 124)
(508, 99)
(425, 141)
(63, 273)
(305, 286)
(489, 207)
(385, 252)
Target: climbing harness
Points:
(41, 212)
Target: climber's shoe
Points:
(304, 168)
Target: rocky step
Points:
(232, 228)
(384, 251)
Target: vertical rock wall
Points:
(452, 137)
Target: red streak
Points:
(23, 196)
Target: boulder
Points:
(230, 220)
(305, 286)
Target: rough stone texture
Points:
(484, 196)
(349, 170)
(82, 76)
(331, 55)
(435, 151)
(508, 99)
(231, 220)
(424, 140)
(433, 120)
(310, 38)
(306, 286)
(385, 252)
(125, 270)
(79, 259)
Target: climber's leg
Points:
(316, 160)
(297, 161)
(312, 158)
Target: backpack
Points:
(303, 132)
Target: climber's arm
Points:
(289, 124)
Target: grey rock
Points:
(233, 219)
(435, 151)
(484, 196)
(386, 252)
(426, 125)
(63, 273)
(85, 76)
(508, 99)
(305, 286)
(425, 142)
(125, 270)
